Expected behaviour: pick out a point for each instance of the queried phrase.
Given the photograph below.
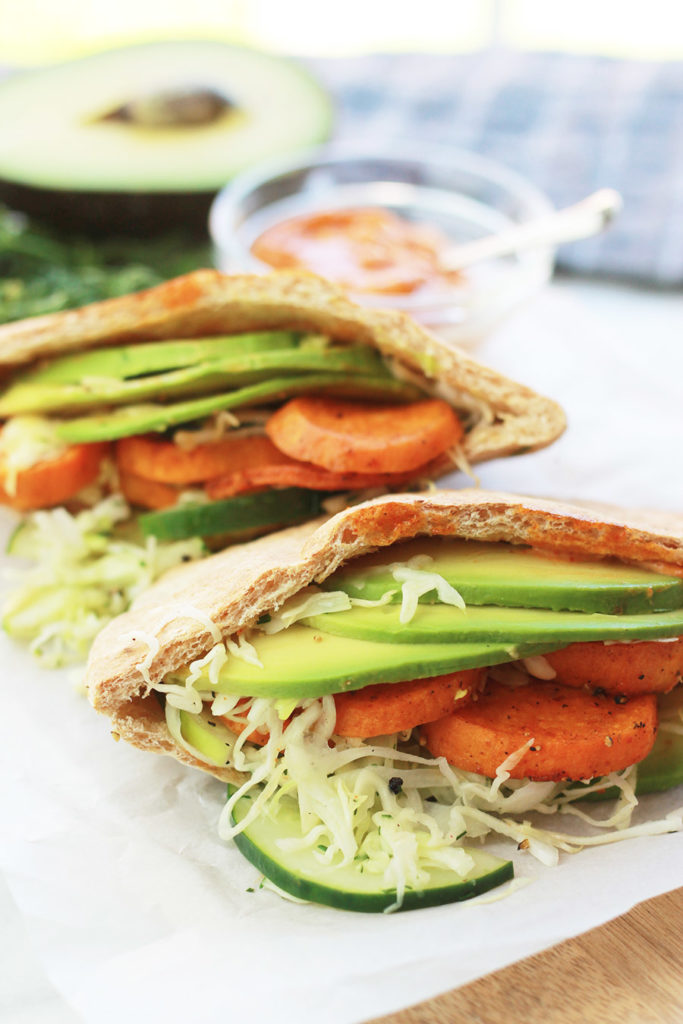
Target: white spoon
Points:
(581, 220)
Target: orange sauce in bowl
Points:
(366, 249)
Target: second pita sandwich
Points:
(384, 689)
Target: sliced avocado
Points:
(231, 371)
(141, 138)
(514, 576)
(122, 362)
(299, 872)
(438, 623)
(140, 419)
(234, 517)
(301, 662)
(208, 736)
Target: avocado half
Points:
(140, 139)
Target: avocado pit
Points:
(188, 107)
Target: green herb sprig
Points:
(43, 272)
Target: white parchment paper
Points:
(117, 900)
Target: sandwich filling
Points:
(435, 693)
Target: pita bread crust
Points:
(237, 586)
(208, 302)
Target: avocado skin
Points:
(100, 214)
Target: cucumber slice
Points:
(139, 419)
(662, 769)
(514, 576)
(234, 516)
(298, 872)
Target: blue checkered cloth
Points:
(571, 124)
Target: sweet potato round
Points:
(392, 707)
(359, 437)
(575, 735)
(646, 667)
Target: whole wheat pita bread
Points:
(512, 417)
(234, 588)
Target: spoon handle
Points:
(585, 218)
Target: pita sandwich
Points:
(501, 416)
(367, 736)
(178, 620)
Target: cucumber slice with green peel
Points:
(299, 873)
(268, 509)
(301, 662)
(125, 361)
(231, 371)
(438, 623)
(514, 576)
(141, 419)
(662, 769)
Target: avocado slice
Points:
(439, 623)
(301, 662)
(141, 138)
(140, 419)
(122, 362)
(514, 576)
(230, 518)
(208, 736)
(230, 371)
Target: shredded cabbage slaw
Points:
(353, 812)
(86, 572)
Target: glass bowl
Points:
(463, 195)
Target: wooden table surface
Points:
(629, 971)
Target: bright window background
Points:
(34, 31)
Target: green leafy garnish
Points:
(41, 272)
